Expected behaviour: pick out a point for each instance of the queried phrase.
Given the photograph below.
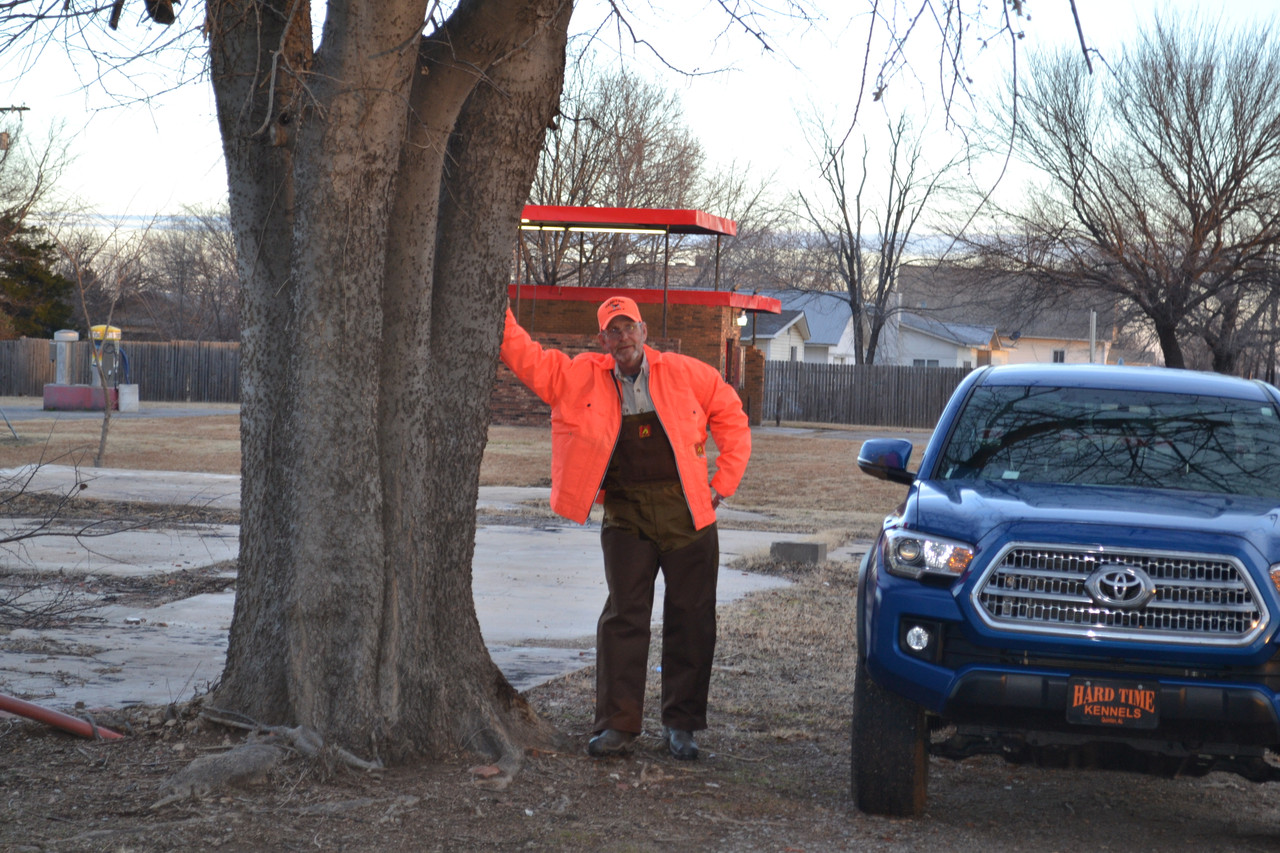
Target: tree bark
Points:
(375, 272)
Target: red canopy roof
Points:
(602, 218)
(645, 296)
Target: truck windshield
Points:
(1105, 437)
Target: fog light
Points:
(918, 638)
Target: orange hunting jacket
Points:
(586, 414)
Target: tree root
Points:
(504, 739)
(244, 765)
(251, 761)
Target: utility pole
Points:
(4, 135)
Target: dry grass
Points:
(805, 481)
(517, 456)
(207, 444)
(813, 482)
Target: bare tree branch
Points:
(1162, 183)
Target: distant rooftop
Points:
(772, 325)
(964, 334)
(827, 312)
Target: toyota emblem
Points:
(1120, 586)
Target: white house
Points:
(917, 341)
(781, 337)
(829, 321)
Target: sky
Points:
(746, 104)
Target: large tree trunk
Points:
(374, 283)
(1170, 346)
(1223, 341)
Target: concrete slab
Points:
(220, 491)
(538, 584)
(121, 660)
(799, 552)
(83, 547)
(538, 593)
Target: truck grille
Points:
(1199, 598)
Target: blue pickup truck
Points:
(1085, 571)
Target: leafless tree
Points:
(760, 255)
(106, 264)
(622, 142)
(193, 291)
(112, 44)
(181, 284)
(619, 142)
(864, 233)
(27, 174)
(82, 243)
(1161, 183)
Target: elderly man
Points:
(629, 426)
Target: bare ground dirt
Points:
(775, 765)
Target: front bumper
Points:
(1190, 712)
(1017, 684)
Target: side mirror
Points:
(886, 459)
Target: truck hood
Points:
(982, 510)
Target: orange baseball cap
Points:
(617, 306)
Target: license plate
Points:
(1123, 704)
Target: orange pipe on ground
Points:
(66, 722)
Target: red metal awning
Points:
(644, 296)
(643, 219)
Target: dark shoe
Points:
(681, 744)
(610, 742)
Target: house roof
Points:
(772, 325)
(827, 312)
(1014, 303)
(961, 334)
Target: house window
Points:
(793, 353)
(1059, 356)
(924, 362)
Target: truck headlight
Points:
(910, 554)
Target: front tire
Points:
(890, 772)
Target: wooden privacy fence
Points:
(883, 395)
(187, 371)
(172, 372)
